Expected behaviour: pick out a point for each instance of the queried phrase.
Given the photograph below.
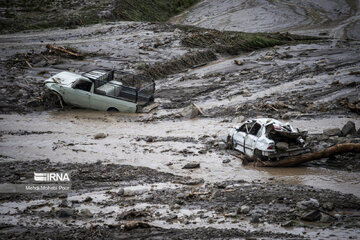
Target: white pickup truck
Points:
(97, 89)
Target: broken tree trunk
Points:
(297, 160)
(63, 50)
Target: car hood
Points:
(65, 78)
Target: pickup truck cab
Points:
(97, 89)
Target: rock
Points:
(86, 213)
(222, 146)
(255, 219)
(64, 213)
(287, 224)
(332, 132)
(121, 192)
(311, 203)
(328, 206)
(238, 62)
(132, 214)
(311, 216)
(226, 160)
(325, 218)
(282, 146)
(214, 194)
(88, 199)
(65, 203)
(191, 165)
(349, 128)
(194, 181)
(308, 82)
(190, 112)
(100, 136)
(243, 209)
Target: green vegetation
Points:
(235, 42)
(150, 10)
(38, 14)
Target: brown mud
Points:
(135, 173)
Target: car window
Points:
(82, 85)
(243, 128)
(255, 129)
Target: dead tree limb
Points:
(297, 160)
(63, 50)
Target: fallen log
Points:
(64, 50)
(297, 160)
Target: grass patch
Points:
(234, 43)
(150, 10)
(177, 65)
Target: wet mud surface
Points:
(132, 182)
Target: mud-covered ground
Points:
(131, 183)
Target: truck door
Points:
(79, 93)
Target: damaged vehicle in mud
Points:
(267, 139)
(103, 89)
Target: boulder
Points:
(191, 165)
(311, 216)
(65, 213)
(243, 209)
(100, 136)
(309, 204)
(332, 132)
(349, 128)
(190, 112)
(86, 213)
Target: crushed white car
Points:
(267, 139)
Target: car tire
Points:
(112, 109)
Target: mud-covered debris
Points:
(332, 132)
(65, 51)
(136, 224)
(243, 209)
(100, 136)
(127, 215)
(191, 165)
(348, 128)
(308, 204)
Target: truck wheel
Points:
(112, 109)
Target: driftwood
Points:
(64, 50)
(297, 160)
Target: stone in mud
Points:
(328, 206)
(86, 213)
(255, 219)
(193, 181)
(332, 132)
(65, 213)
(243, 209)
(311, 216)
(308, 82)
(238, 62)
(191, 165)
(121, 192)
(309, 204)
(100, 136)
(190, 112)
(287, 224)
(349, 128)
(325, 218)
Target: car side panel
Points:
(103, 103)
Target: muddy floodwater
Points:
(68, 137)
(130, 174)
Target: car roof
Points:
(266, 121)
